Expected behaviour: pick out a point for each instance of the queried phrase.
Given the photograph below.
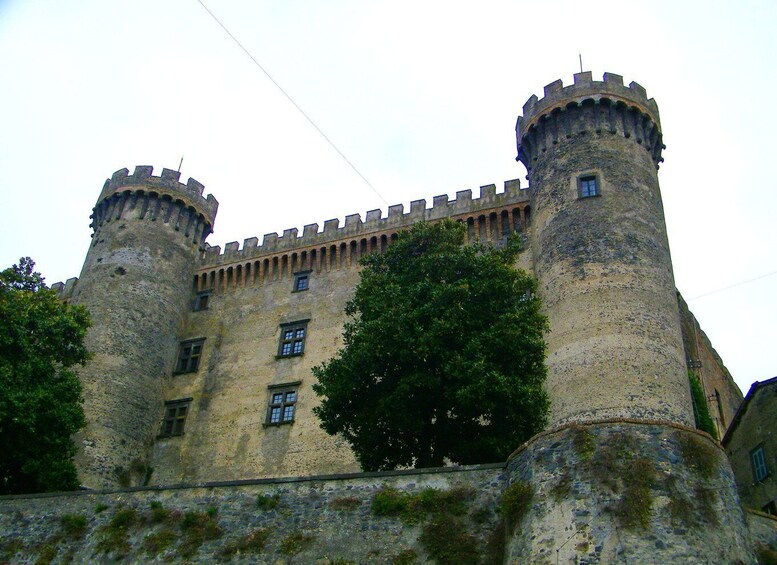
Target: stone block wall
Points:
(300, 520)
(721, 392)
(627, 492)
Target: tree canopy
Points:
(40, 396)
(443, 356)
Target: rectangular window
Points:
(588, 186)
(175, 417)
(189, 353)
(292, 339)
(758, 459)
(201, 301)
(282, 405)
(301, 281)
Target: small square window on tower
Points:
(292, 340)
(201, 301)
(301, 281)
(189, 353)
(587, 186)
(175, 417)
(282, 404)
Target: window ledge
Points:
(289, 355)
(276, 425)
(170, 436)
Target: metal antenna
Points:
(580, 55)
(179, 164)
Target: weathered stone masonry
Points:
(620, 449)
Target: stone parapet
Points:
(588, 106)
(374, 222)
(167, 184)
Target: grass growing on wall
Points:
(701, 413)
(444, 516)
(267, 501)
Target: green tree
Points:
(443, 355)
(40, 396)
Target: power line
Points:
(290, 99)
(740, 283)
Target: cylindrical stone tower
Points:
(601, 253)
(136, 284)
(621, 476)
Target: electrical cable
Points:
(740, 283)
(290, 99)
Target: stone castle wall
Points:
(620, 478)
(251, 297)
(612, 492)
(721, 392)
(304, 520)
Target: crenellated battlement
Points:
(150, 198)
(584, 107)
(65, 290)
(167, 184)
(373, 223)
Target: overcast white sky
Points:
(421, 96)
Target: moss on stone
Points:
(347, 503)
(635, 506)
(47, 553)
(406, 557)
(515, 502)
(701, 412)
(766, 555)
(267, 501)
(705, 500)
(10, 547)
(698, 454)
(563, 486)
(448, 542)
(388, 501)
(115, 535)
(252, 542)
(158, 513)
(197, 528)
(295, 543)
(73, 525)
(413, 508)
(583, 441)
(156, 542)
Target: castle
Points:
(202, 358)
